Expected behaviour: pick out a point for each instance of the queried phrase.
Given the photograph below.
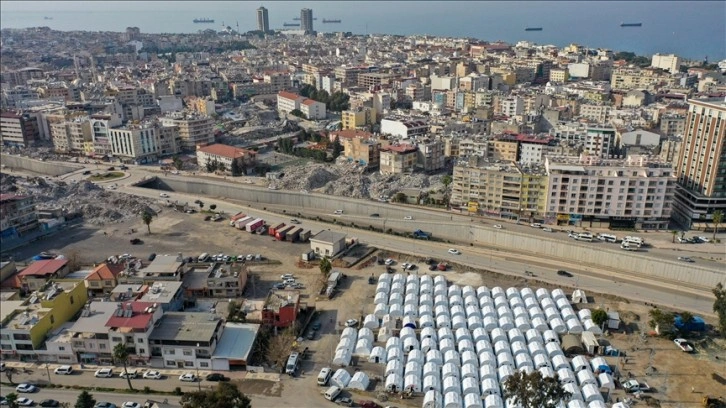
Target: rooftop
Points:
(222, 150)
(328, 236)
(105, 271)
(288, 95)
(401, 148)
(281, 298)
(94, 317)
(236, 341)
(161, 292)
(162, 265)
(186, 326)
(131, 315)
(44, 268)
(351, 133)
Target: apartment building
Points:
(533, 193)
(225, 155)
(503, 147)
(430, 156)
(672, 125)
(26, 323)
(281, 308)
(633, 193)
(226, 280)
(512, 106)
(137, 143)
(701, 167)
(17, 215)
(360, 148)
(625, 79)
(599, 141)
(37, 275)
(278, 81)
(90, 338)
(559, 75)
(532, 149)
(374, 79)
(18, 129)
(598, 113)
(194, 130)
(288, 102)
(131, 325)
(483, 186)
(669, 150)
(185, 340)
(465, 147)
(404, 128)
(313, 110)
(358, 118)
(666, 62)
(398, 159)
(348, 75)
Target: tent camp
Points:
(571, 344)
(341, 378)
(433, 399)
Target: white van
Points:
(338, 212)
(332, 393)
(292, 363)
(629, 246)
(636, 240)
(64, 370)
(203, 257)
(324, 376)
(607, 237)
(585, 236)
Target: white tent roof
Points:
(393, 342)
(433, 399)
(394, 367)
(599, 404)
(451, 384)
(472, 401)
(345, 343)
(576, 404)
(365, 333)
(450, 370)
(533, 336)
(470, 370)
(394, 380)
(434, 356)
(379, 352)
(559, 361)
(341, 378)
(591, 393)
(412, 381)
(504, 372)
(585, 377)
(523, 360)
(493, 401)
(566, 376)
(542, 293)
(363, 348)
(412, 367)
(470, 386)
(359, 381)
(487, 371)
(574, 390)
(606, 381)
(431, 369)
(415, 356)
(498, 335)
(381, 310)
(539, 324)
(580, 363)
(452, 400)
(384, 334)
(431, 382)
(370, 322)
(342, 358)
(351, 333)
(381, 298)
(394, 354)
(428, 344)
(490, 386)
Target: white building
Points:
(637, 191)
(225, 155)
(669, 62)
(599, 141)
(579, 70)
(640, 137)
(512, 106)
(288, 102)
(313, 110)
(185, 340)
(139, 143)
(404, 128)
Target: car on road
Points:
(683, 345)
(389, 262)
(703, 239)
(87, 173)
(152, 256)
(131, 404)
(571, 234)
(111, 168)
(375, 215)
(351, 323)
(164, 195)
(310, 335)
(564, 273)
(453, 251)
(104, 404)
(25, 402)
(152, 375)
(295, 221)
(345, 401)
(685, 259)
(26, 388)
(535, 225)
(124, 167)
(497, 226)
(287, 276)
(408, 218)
(338, 212)
(49, 403)
(547, 229)
(103, 373)
(63, 370)
(129, 374)
(216, 377)
(188, 377)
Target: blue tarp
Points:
(697, 324)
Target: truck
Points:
(634, 387)
(282, 233)
(683, 345)
(273, 230)
(240, 223)
(256, 223)
(294, 234)
(418, 234)
(236, 217)
(304, 236)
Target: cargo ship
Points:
(291, 25)
(533, 29)
(203, 20)
(631, 24)
(331, 21)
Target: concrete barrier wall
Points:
(595, 254)
(37, 166)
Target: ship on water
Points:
(631, 24)
(203, 20)
(291, 25)
(47, 18)
(533, 29)
(325, 21)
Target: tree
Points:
(325, 266)
(226, 395)
(236, 168)
(221, 167)
(147, 217)
(675, 233)
(212, 165)
(85, 400)
(662, 320)
(686, 320)
(446, 180)
(719, 306)
(213, 207)
(177, 163)
(235, 314)
(337, 148)
(201, 205)
(121, 355)
(9, 373)
(399, 198)
(599, 317)
(298, 113)
(12, 400)
(534, 391)
(717, 219)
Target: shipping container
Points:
(304, 236)
(257, 223)
(293, 235)
(282, 232)
(273, 230)
(236, 217)
(242, 222)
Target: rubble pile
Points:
(348, 180)
(96, 205)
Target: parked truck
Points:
(418, 234)
(273, 230)
(294, 234)
(282, 233)
(236, 217)
(256, 223)
(305, 236)
(242, 222)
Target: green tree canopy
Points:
(325, 266)
(121, 355)
(599, 317)
(85, 400)
(147, 217)
(534, 391)
(226, 395)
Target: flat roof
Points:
(328, 236)
(161, 292)
(185, 326)
(95, 320)
(236, 341)
(162, 264)
(8, 307)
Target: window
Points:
(203, 364)
(170, 351)
(102, 346)
(142, 351)
(189, 364)
(61, 348)
(187, 352)
(21, 336)
(169, 363)
(117, 339)
(140, 340)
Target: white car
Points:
(63, 370)
(535, 225)
(338, 212)
(498, 226)
(25, 402)
(389, 262)
(287, 276)
(164, 195)
(129, 373)
(152, 375)
(130, 404)
(26, 388)
(188, 377)
(453, 251)
(351, 323)
(408, 218)
(703, 239)
(547, 229)
(103, 373)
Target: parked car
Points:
(351, 323)
(703, 239)
(310, 335)
(535, 225)
(25, 402)
(164, 195)
(295, 221)
(104, 404)
(408, 218)
(87, 172)
(131, 404)
(135, 241)
(453, 251)
(498, 226)
(152, 256)
(432, 267)
(26, 388)
(188, 377)
(216, 377)
(345, 401)
(683, 345)
(64, 370)
(685, 259)
(564, 273)
(152, 375)
(547, 229)
(389, 261)
(287, 276)
(375, 215)
(49, 403)
(103, 373)
(129, 374)
(368, 404)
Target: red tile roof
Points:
(288, 95)
(44, 267)
(138, 320)
(351, 133)
(403, 148)
(308, 102)
(105, 272)
(226, 151)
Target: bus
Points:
(585, 236)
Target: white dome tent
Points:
(365, 333)
(558, 294)
(378, 355)
(482, 345)
(605, 380)
(479, 334)
(410, 344)
(443, 321)
(394, 383)
(490, 323)
(498, 292)
(536, 349)
(410, 311)
(458, 321)
(489, 387)
(450, 370)
(550, 336)
(370, 322)
(539, 324)
(472, 401)
(428, 344)
(546, 372)
(452, 356)
(451, 384)
(541, 360)
(393, 342)
(446, 345)
(426, 299)
(576, 403)
(381, 298)
(384, 334)
(553, 349)
(452, 400)
(434, 356)
(426, 320)
(470, 386)
(363, 348)
(526, 293)
(598, 362)
(425, 309)
(385, 277)
(462, 334)
(351, 333)
(470, 370)
(562, 303)
(522, 323)
(431, 383)
(558, 325)
(393, 367)
(590, 393)
(489, 311)
(501, 346)
(433, 399)
(533, 336)
(506, 322)
(505, 359)
(412, 367)
(493, 401)
(454, 290)
(585, 377)
(523, 360)
(467, 291)
(341, 378)
(416, 356)
(598, 404)
(394, 354)
(456, 300)
(580, 363)
(498, 335)
(346, 343)
(388, 321)
(487, 357)
(395, 310)
(573, 326)
(592, 327)
(342, 357)
(431, 370)
(487, 371)
(584, 314)
(441, 301)
(412, 382)
(360, 381)
(559, 361)
(406, 333)
(504, 372)
(566, 376)
(465, 345)
(482, 292)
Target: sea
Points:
(694, 30)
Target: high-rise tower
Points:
(263, 21)
(306, 20)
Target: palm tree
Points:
(121, 355)
(147, 218)
(717, 219)
(325, 266)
